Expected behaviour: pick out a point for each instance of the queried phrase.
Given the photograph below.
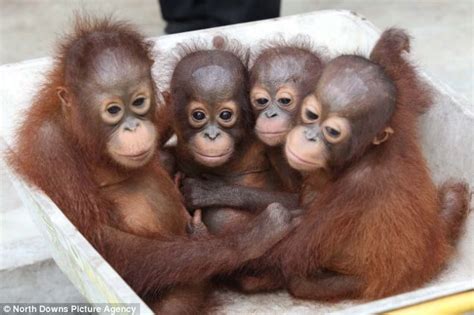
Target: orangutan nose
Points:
(131, 124)
(270, 113)
(212, 132)
(311, 135)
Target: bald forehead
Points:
(216, 74)
(212, 79)
(115, 68)
(284, 65)
(351, 82)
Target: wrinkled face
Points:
(209, 89)
(117, 107)
(348, 112)
(133, 136)
(212, 144)
(275, 111)
(281, 78)
(308, 144)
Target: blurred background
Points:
(442, 29)
(443, 45)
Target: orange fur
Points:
(379, 226)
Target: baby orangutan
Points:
(378, 225)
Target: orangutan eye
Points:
(139, 101)
(332, 132)
(225, 115)
(262, 101)
(198, 115)
(114, 110)
(310, 115)
(284, 101)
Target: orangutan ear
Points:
(383, 136)
(63, 95)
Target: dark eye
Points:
(225, 115)
(310, 115)
(333, 132)
(114, 110)
(139, 101)
(262, 101)
(284, 100)
(198, 115)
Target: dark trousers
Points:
(188, 15)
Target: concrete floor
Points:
(443, 45)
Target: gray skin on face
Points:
(212, 82)
(112, 66)
(281, 70)
(210, 77)
(115, 68)
(115, 73)
(357, 89)
(115, 76)
(278, 70)
(285, 66)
